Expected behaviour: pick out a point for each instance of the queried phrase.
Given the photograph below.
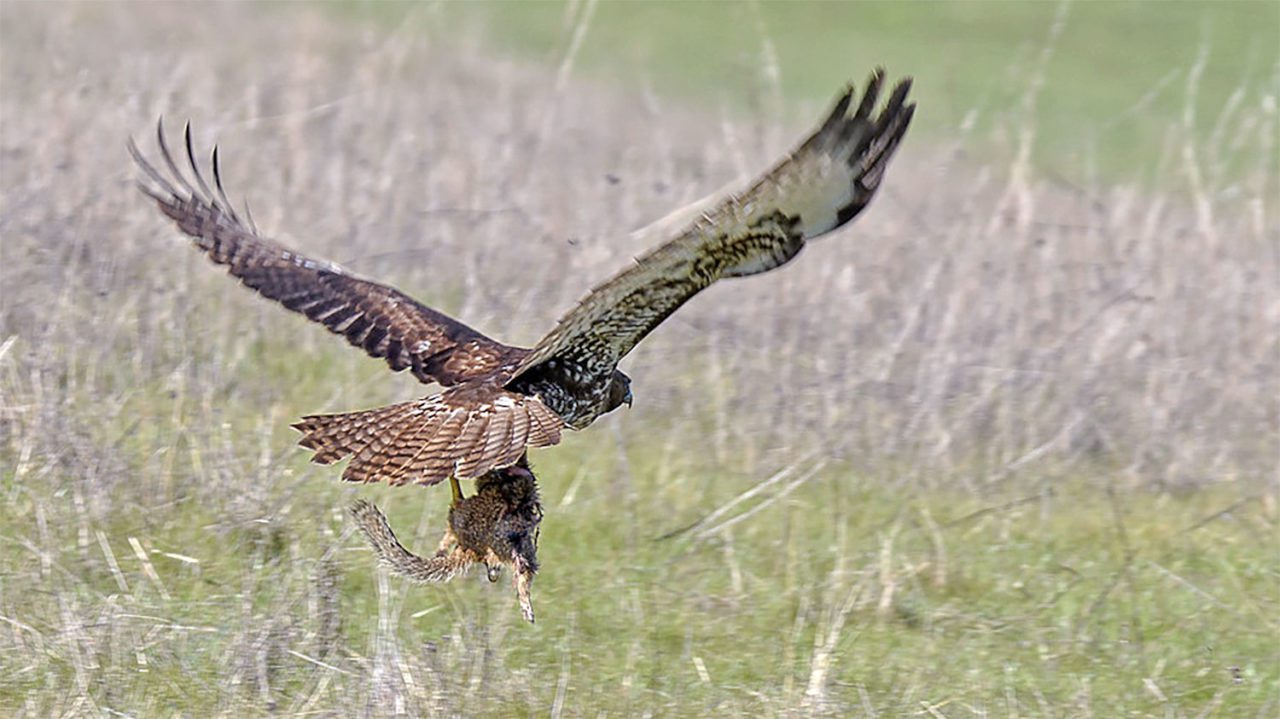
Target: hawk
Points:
(498, 400)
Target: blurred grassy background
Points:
(1115, 73)
(1006, 447)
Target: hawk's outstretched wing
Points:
(381, 320)
(464, 432)
(820, 186)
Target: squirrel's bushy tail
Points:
(393, 555)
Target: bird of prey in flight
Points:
(498, 400)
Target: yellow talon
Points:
(457, 490)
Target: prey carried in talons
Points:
(496, 526)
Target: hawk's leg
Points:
(446, 542)
(457, 490)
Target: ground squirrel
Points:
(496, 526)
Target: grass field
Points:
(1099, 83)
(1008, 447)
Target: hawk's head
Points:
(619, 391)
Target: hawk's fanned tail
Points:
(334, 436)
(465, 433)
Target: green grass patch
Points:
(1116, 79)
(1129, 603)
(209, 566)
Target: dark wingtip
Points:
(225, 204)
(844, 98)
(206, 194)
(872, 93)
(176, 174)
(838, 111)
(894, 108)
(145, 189)
(900, 92)
(903, 86)
(150, 171)
(907, 113)
(135, 152)
(160, 129)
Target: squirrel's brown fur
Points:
(496, 526)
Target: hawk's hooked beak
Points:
(626, 399)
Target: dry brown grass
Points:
(971, 332)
